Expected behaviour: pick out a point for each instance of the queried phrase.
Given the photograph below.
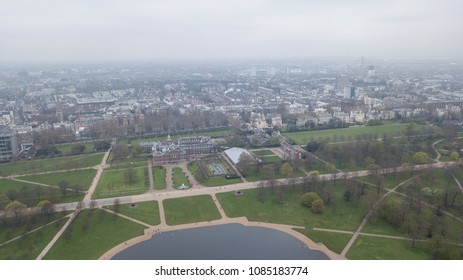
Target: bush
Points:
(317, 206)
(308, 199)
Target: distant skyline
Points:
(116, 30)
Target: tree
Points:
(268, 172)
(286, 169)
(45, 207)
(307, 199)
(93, 204)
(77, 149)
(420, 158)
(280, 195)
(455, 156)
(317, 206)
(101, 146)
(244, 163)
(4, 200)
(63, 185)
(120, 151)
(17, 208)
(117, 206)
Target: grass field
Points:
(159, 174)
(83, 178)
(333, 241)
(179, 178)
(190, 210)
(263, 153)
(30, 246)
(7, 184)
(302, 138)
(53, 164)
(10, 230)
(270, 159)
(375, 248)
(114, 183)
(128, 163)
(92, 234)
(66, 149)
(147, 212)
(340, 215)
(212, 181)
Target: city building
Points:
(181, 150)
(8, 143)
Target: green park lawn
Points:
(10, 230)
(394, 129)
(147, 212)
(270, 159)
(179, 178)
(31, 245)
(340, 215)
(212, 181)
(263, 153)
(376, 248)
(82, 178)
(7, 184)
(191, 209)
(333, 241)
(52, 164)
(115, 183)
(92, 234)
(66, 149)
(128, 163)
(159, 174)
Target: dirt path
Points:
(191, 178)
(57, 236)
(97, 177)
(370, 213)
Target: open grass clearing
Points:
(92, 234)
(81, 178)
(30, 246)
(52, 164)
(115, 183)
(333, 241)
(263, 153)
(147, 212)
(375, 248)
(179, 177)
(190, 210)
(340, 215)
(159, 174)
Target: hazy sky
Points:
(66, 30)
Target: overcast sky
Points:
(65, 30)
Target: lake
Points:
(224, 242)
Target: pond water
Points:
(224, 242)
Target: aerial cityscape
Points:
(338, 154)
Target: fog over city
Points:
(109, 30)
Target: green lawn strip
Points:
(212, 181)
(92, 234)
(7, 184)
(333, 241)
(263, 153)
(147, 212)
(340, 215)
(376, 248)
(52, 164)
(179, 178)
(128, 163)
(115, 183)
(190, 210)
(66, 149)
(349, 134)
(29, 246)
(159, 174)
(83, 178)
(270, 159)
(11, 230)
